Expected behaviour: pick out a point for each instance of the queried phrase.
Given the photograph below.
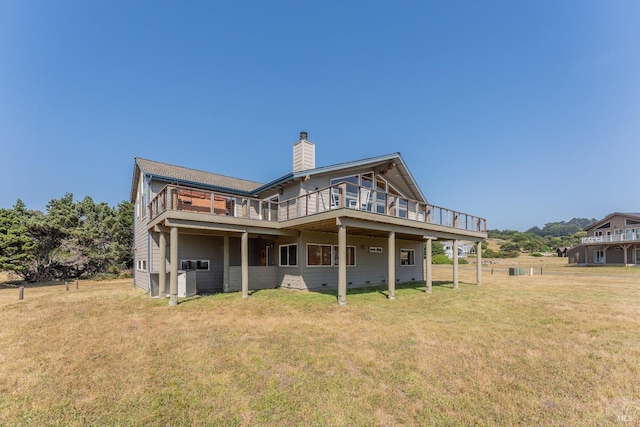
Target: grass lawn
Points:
(556, 349)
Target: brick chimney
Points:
(304, 154)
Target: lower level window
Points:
(142, 264)
(318, 254)
(194, 264)
(351, 255)
(407, 257)
(289, 255)
(599, 256)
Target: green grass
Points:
(542, 350)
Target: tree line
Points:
(538, 240)
(69, 240)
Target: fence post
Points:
(66, 284)
(21, 293)
(76, 283)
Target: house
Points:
(464, 248)
(614, 240)
(359, 223)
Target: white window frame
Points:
(335, 256)
(288, 246)
(322, 245)
(411, 258)
(141, 265)
(598, 256)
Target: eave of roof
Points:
(340, 166)
(611, 215)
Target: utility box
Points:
(187, 283)
(515, 271)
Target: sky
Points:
(522, 112)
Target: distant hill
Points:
(562, 228)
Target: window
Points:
(351, 255)
(375, 249)
(407, 257)
(289, 255)
(194, 264)
(599, 257)
(142, 265)
(318, 254)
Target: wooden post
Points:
(77, 283)
(244, 261)
(21, 293)
(162, 279)
(479, 263)
(173, 276)
(428, 261)
(342, 265)
(225, 263)
(455, 264)
(391, 262)
(66, 284)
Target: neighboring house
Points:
(464, 248)
(614, 240)
(358, 223)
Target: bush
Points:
(462, 261)
(536, 254)
(440, 259)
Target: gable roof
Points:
(182, 175)
(187, 176)
(386, 160)
(608, 217)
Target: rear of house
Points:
(359, 223)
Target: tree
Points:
(69, 240)
(16, 247)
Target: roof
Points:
(597, 224)
(182, 175)
(400, 164)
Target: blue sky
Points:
(520, 112)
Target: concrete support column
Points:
(173, 276)
(479, 263)
(427, 266)
(342, 265)
(244, 249)
(392, 265)
(162, 280)
(455, 264)
(225, 262)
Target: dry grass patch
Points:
(549, 350)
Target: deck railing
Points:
(627, 237)
(343, 195)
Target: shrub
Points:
(462, 261)
(440, 259)
(536, 254)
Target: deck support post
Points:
(244, 248)
(173, 277)
(455, 264)
(479, 263)
(342, 265)
(225, 261)
(391, 259)
(162, 279)
(428, 276)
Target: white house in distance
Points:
(358, 223)
(464, 248)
